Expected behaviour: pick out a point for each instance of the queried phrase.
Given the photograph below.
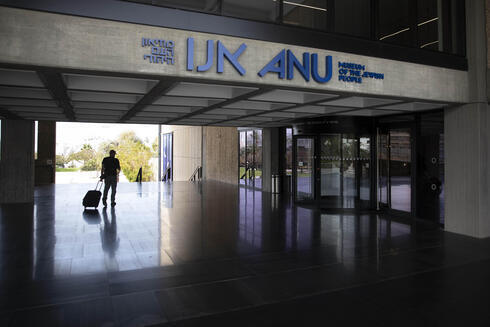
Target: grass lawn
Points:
(258, 172)
(67, 169)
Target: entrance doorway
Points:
(395, 168)
(167, 156)
(333, 168)
(250, 152)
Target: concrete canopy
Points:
(108, 98)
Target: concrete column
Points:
(220, 154)
(270, 156)
(467, 140)
(17, 161)
(45, 171)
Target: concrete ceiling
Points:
(47, 95)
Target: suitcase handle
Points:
(96, 186)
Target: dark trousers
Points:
(110, 181)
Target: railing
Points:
(167, 176)
(197, 173)
(139, 177)
(250, 170)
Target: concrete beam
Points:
(57, 88)
(156, 92)
(5, 113)
(221, 104)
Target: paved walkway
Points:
(82, 177)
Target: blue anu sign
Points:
(285, 64)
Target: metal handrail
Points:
(166, 176)
(197, 172)
(139, 177)
(250, 176)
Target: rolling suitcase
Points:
(92, 198)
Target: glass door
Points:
(400, 169)
(167, 144)
(330, 167)
(395, 169)
(304, 168)
(250, 158)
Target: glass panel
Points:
(304, 169)
(167, 156)
(265, 10)
(430, 167)
(394, 22)
(383, 153)
(349, 165)
(365, 163)
(211, 6)
(359, 17)
(243, 159)
(250, 155)
(258, 158)
(441, 178)
(400, 169)
(289, 151)
(306, 13)
(170, 154)
(164, 154)
(428, 22)
(456, 28)
(330, 165)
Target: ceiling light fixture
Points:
(428, 21)
(302, 5)
(427, 44)
(393, 34)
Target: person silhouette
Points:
(110, 174)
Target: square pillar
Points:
(17, 161)
(45, 171)
(467, 139)
(270, 156)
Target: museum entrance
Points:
(334, 168)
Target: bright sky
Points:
(71, 136)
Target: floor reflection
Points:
(161, 224)
(174, 251)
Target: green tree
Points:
(62, 160)
(88, 156)
(133, 154)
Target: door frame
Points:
(294, 167)
(385, 129)
(316, 169)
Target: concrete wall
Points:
(467, 140)
(220, 154)
(17, 161)
(487, 20)
(187, 149)
(70, 42)
(487, 15)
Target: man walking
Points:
(110, 172)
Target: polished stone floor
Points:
(212, 254)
